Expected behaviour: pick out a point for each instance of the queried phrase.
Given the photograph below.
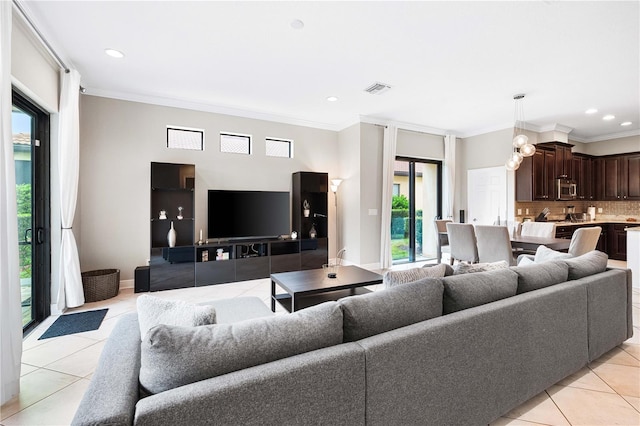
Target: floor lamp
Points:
(335, 183)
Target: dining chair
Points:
(538, 229)
(442, 241)
(462, 242)
(584, 240)
(494, 244)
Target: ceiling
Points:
(452, 66)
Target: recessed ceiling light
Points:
(609, 117)
(296, 24)
(332, 98)
(114, 53)
(626, 123)
(591, 111)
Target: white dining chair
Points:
(584, 240)
(538, 229)
(494, 244)
(462, 242)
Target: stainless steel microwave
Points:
(566, 189)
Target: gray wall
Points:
(119, 140)
(611, 146)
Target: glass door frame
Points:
(412, 200)
(40, 209)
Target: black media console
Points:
(248, 260)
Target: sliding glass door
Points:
(30, 129)
(417, 195)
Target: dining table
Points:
(531, 243)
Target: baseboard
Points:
(127, 283)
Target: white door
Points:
(487, 195)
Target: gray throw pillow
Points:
(392, 308)
(153, 311)
(540, 275)
(174, 356)
(394, 278)
(587, 264)
(469, 290)
(468, 268)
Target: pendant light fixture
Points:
(521, 146)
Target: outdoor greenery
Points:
(400, 227)
(23, 195)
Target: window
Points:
(185, 138)
(279, 148)
(235, 143)
(396, 189)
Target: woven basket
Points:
(100, 284)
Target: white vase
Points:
(171, 236)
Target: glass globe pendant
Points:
(527, 150)
(512, 164)
(520, 140)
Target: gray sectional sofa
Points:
(462, 349)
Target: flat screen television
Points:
(248, 214)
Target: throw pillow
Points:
(394, 278)
(392, 308)
(173, 356)
(535, 276)
(587, 264)
(466, 291)
(153, 311)
(544, 254)
(467, 268)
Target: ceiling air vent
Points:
(377, 88)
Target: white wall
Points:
(348, 160)
(371, 141)
(119, 140)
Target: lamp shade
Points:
(520, 140)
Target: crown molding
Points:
(555, 127)
(204, 107)
(627, 134)
(401, 125)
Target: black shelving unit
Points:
(312, 187)
(172, 186)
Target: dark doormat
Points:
(75, 323)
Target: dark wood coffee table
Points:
(312, 287)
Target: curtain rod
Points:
(41, 37)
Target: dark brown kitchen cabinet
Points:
(563, 165)
(618, 177)
(536, 176)
(617, 241)
(582, 174)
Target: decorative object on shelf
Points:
(521, 146)
(219, 254)
(200, 240)
(180, 217)
(163, 215)
(306, 208)
(171, 236)
(312, 232)
(294, 235)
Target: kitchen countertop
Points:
(595, 222)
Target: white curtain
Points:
(10, 309)
(388, 167)
(70, 292)
(449, 176)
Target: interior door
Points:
(487, 195)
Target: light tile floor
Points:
(56, 372)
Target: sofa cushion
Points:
(391, 308)
(540, 275)
(587, 264)
(544, 254)
(154, 310)
(174, 356)
(394, 278)
(469, 290)
(468, 268)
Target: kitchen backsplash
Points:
(612, 210)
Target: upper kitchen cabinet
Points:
(564, 162)
(582, 166)
(618, 177)
(536, 176)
